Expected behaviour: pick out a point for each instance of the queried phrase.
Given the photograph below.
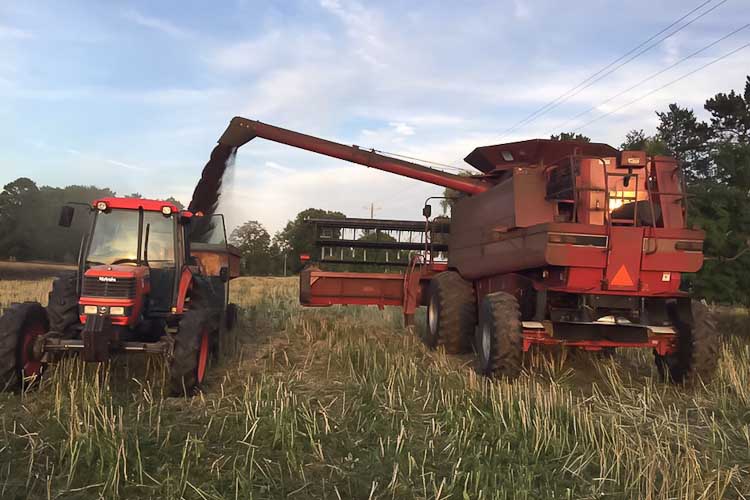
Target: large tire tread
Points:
(457, 315)
(502, 313)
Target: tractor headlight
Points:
(90, 310)
(117, 311)
(101, 206)
(166, 210)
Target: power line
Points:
(605, 71)
(428, 162)
(650, 77)
(641, 97)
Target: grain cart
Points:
(551, 243)
(151, 279)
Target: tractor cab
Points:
(136, 261)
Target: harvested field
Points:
(344, 403)
(31, 270)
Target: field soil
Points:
(344, 403)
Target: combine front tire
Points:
(451, 313)
(19, 327)
(696, 354)
(499, 341)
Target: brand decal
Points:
(108, 279)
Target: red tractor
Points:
(551, 243)
(151, 279)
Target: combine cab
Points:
(151, 279)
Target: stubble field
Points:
(344, 403)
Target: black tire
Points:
(499, 339)
(230, 316)
(451, 314)
(62, 307)
(697, 349)
(16, 323)
(201, 320)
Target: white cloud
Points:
(12, 33)
(154, 23)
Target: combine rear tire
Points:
(499, 341)
(696, 354)
(451, 313)
(19, 327)
(62, 307)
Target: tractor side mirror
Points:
(224, 274)
(427, 211)
(66, 216)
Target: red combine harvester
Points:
(151, 279)
(552, 243)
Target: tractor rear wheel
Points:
(19, 328)
(499, 341)
(697, 348)
(62, 307)
(451, 313)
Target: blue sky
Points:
(133, 95)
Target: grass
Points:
(343, 403)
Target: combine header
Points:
(552, 243)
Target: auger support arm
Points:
(242, 130)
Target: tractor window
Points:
(115, 238)
(158, 240)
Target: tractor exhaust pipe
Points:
(241, 131)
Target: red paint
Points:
(663, 344)
(142, 289)
(202, 357)
(136, 203)
(186, 279)
(624, 261)
(29, 365)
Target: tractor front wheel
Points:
(499, 340)
(190, 356)
(696, 349)
(19, 328)
(451, 313)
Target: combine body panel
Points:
(551, 243)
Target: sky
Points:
(134, 95)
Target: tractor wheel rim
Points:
(432, 316)
(30, 366)
(486, 342)
(202, 357)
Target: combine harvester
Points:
(553, 243)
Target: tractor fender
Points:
(186, 279)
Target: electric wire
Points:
(647, 94)
(562, 125)
(613, 66)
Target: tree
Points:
(687, 139)
(570, 136)
(254, 243)
(298, 236)
(638, 140)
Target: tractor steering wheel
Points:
(124, 261)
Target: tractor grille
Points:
(123, 288)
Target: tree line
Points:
(715, 156)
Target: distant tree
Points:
(134, 195)
(254, 242)
(298, 236)
(687, 139)
(175, 202)
(638, 140)
(570, 136)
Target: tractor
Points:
(151, 279)
(551, 243)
